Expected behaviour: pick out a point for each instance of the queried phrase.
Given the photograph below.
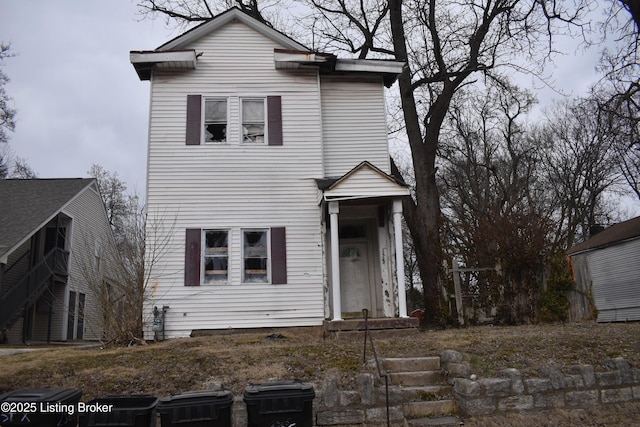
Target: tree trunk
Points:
(422, 214)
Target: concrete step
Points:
(420, 378)
(437, 421)
(433, 408)
(411, 364)
(422, 393)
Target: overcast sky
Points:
(80, 102)
(78, 99)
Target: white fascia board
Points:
(180, 56)
(369, 66)
(298, 58)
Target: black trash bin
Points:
(129, 410)
(40, 407)
(196, 409)
(280, 404)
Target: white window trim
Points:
(97, 254)
(265, 118)
(242, 278)
(203, 247)
(203, 109)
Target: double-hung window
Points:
(253, 124)
(255, 256)
(215, 120)
(216, 256)
(260, 120)
(262, 256)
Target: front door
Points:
(355, 277)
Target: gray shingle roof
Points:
(25, 204)
(616, 233)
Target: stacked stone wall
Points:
(571, 387)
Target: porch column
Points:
(397, 230)
(334, 209)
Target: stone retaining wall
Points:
(364, 406)
(571, 387)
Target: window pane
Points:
(253, 120)
(216, 239)
(216, 256)
(253, 111)
(256, 256)
(215, 110)
(215, 120)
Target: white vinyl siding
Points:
(235, 187)
(366, 182)
(89, 224)
(616, 281)
(353, 124)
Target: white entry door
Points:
(355, 277)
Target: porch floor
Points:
(374, 324)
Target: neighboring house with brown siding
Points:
(55, 252)
(607, 274)
(269, 188)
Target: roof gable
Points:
(617, 233)
(234, 14)
(178, 53)
(363, 181)
(28, 204)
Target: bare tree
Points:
(7, 113)
(141, 241)
(618, 92)
(492, 202)
(581, 165)
(12, 166)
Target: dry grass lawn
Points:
(240, 358)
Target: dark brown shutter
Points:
(278, 256)
(274, 116)
(192, 257)
(194, 117)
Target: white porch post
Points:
(334, 209)
(397, 229)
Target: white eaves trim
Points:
(145, 61)
(369, 66)
(183, 56)
(296, 59)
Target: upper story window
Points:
(253, 125)
(260, 120)
(215, 120)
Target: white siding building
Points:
(269, 196)
(56, 254)
(607, 274)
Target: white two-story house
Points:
(269, 192)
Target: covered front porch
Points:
(364, 250)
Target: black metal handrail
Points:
(381, 372)
(32, 284)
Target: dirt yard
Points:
(237, 359)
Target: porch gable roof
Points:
(362, 182)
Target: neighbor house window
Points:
(216, 256)
(215, 120)
(253, 124)
(255, 256)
